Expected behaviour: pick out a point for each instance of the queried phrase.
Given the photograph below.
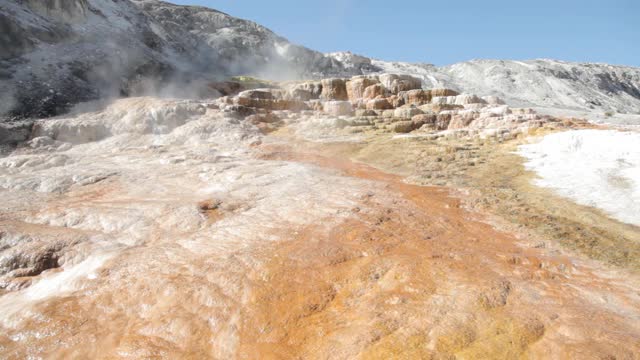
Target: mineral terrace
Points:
(364, 217)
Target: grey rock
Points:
(12, 133)
(56, 53)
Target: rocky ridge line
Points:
(54, 56)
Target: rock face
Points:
(373, 91)
(396, 83)
(416, 97)
(272, 107)
(396, 101)
(443, 121)
(408, 126)
(464, 99)
(356, 87)
(66, 11)
(308, 90)
(462, 119)
(542, 83)
(269, 99)
(428, 119)
(407, 112)
(15, 132)
(379, 104)
(334, 89)
(338, 108)
(53, 54)
(443, 92)
(403, 127)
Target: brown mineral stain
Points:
(423, 279)
(409, 274)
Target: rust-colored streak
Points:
(407, 274)
(421, 278)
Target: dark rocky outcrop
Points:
(56, 53)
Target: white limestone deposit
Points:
(104, 203)
(599, 168)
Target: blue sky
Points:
(444, 32)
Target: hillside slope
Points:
(544, 83)
(56, 54)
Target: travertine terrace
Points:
(341, 218)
